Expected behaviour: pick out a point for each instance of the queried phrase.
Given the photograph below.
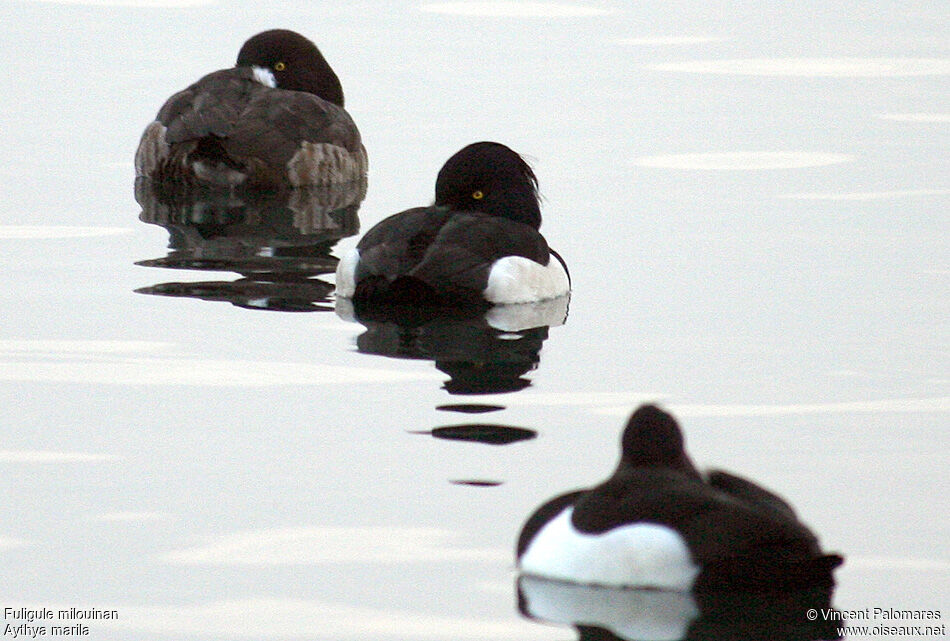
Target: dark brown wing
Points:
(395, 245)
(463, 252)
(252, 123)
(209, 107)
(275, 122)
(715, 525)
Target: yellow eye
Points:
(280, 66)
(477, 194)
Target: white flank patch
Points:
(742, 160)
(514, 9)
(640, 555)
(516, 279)
(265, 77)
(629, 614)
(660, 41)
(30, 232)
(45, 456)
(321, 545)
(346, 274)
(869, 195)
(815, 67)
(918, 117)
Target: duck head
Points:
(490, 178)
(653, 438)
(295, 63)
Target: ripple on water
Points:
(742, 160)
(7, 543)
(321, 545)
(663, 41)
(143, 4)
(46, 456)
(132, 363)
(267, 617)
(916, 117)
(514, 9)
(131, 517)
(28, 232)
(813, 67)
(897, 405)
(868, 195)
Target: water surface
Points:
(753, 203)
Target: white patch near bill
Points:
(346, 274)
(516, 279)
(264, 76)
(639, 555)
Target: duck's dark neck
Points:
(682, 464)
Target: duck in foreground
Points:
(274, 120)
(479, 243)
(658, 523)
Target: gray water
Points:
(753, 204)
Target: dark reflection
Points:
(470, 408)
(483, 433)
(278, 241)
(477, 483)
(603, 614)
(484, 352)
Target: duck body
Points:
(658, 523)
(274, 120)
(478, 244)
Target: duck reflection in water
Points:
(661, 551)
(483, 352)
(279, 241)
(614, 614)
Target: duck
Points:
(274, 120)
(658, 523)
(478, 244)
